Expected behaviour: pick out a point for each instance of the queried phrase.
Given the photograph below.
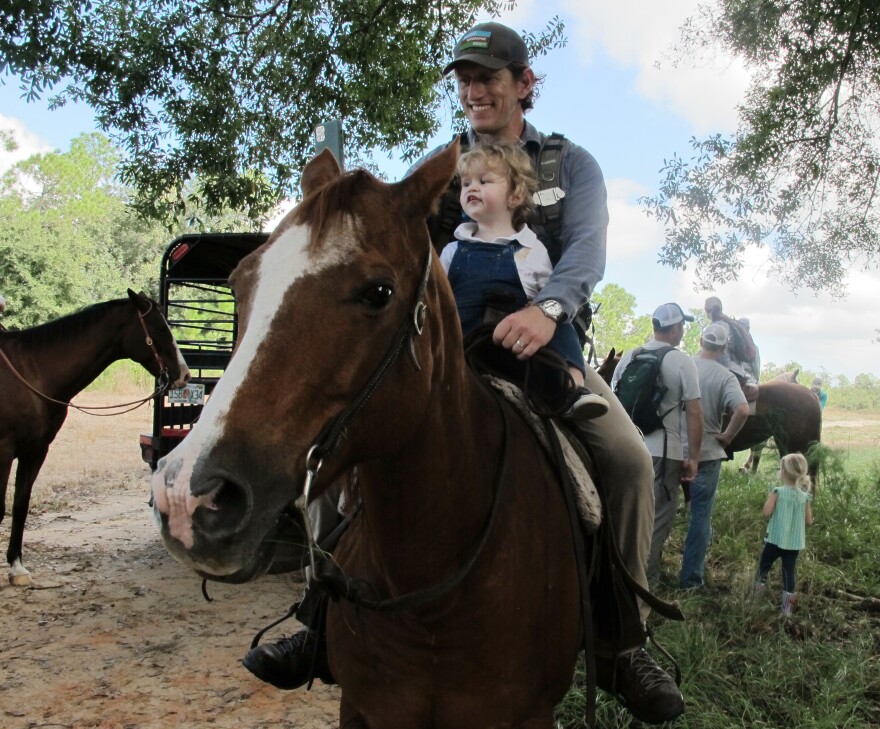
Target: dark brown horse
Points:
(42, 368)
(786, 411)
(346, 299)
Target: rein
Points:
(87, 409)
(329, 576)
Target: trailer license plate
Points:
(188, 395)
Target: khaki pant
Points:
(627, 473)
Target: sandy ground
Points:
(114, 633)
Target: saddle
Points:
(577, 463)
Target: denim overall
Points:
(479, 268)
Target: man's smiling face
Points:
(491, 99)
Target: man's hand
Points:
(524, 332)
(688, 470)
(724, 439)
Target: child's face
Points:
(485, 193)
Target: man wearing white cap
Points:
(719, 392)
(682, 395)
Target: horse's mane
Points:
(66, 327)
(322, 208)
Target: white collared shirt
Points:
(531, 257)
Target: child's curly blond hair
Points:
(511, 161)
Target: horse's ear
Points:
(423, 188)
(319, 171)
(139, 300)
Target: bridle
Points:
(330, 576)
(161, 387)
(148, 340)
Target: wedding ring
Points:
(520, 344)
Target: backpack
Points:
(640, 389)
(741, 346)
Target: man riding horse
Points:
(496, 88)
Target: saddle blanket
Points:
(588, 502)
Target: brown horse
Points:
(786, 411)
(43, 367)
(347, 292)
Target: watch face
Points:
(551, 308)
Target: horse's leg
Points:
(25, 475)
(755, 455)
(5, 468)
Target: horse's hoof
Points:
(20, 580)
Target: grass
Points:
(742, 664)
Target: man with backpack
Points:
(656, 384)
(496, 87)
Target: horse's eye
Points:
(377, 296)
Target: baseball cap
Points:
(817, 382)
(715, 334)
(744, 320)
(491, 45)
(666, 315)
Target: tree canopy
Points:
(228, 92)
(800, 175)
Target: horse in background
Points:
(787, 412)
(42, 368)
(351, 353)
(751, 463)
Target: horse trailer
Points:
(198, 303)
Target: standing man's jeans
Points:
(667, 477)
(696, 544)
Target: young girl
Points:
(789, 509)
(497, 253)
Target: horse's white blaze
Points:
(282, 265)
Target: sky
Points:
(614, 90)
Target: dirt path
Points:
(115, 634)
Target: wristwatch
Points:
(552, 310)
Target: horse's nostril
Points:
(224, 511)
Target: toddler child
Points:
(789, 509)
(496, 252)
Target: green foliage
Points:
(743, 665)
(618, 326)
(68, 238)
(225, 94)
(800, 175)
(616, 323)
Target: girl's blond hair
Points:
(511, 161)
(794, 465)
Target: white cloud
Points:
(816, 331)
(631, 233)
(639, 33)
(28, 143)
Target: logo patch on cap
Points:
(477, 39)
